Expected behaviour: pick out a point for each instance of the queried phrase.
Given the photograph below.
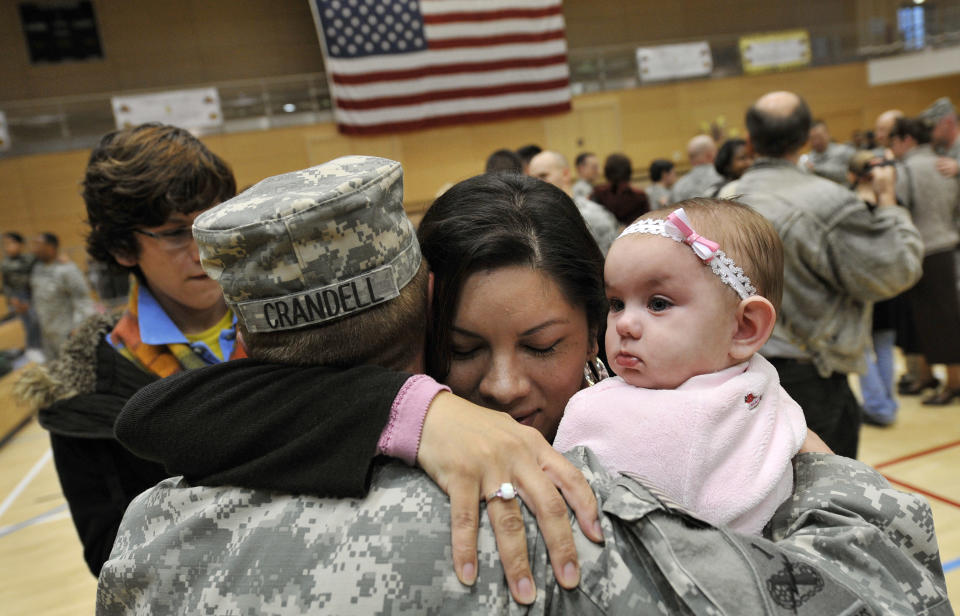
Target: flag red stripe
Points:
(445, 95)
(436, 121)
(446, 18)
(489, 41)
(447, 69)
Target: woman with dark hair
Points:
(503, 232)
(733, 159)
(617, 195)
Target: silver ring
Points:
(506, 491)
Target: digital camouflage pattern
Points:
(305, 247)
(939, 109)
(863, 549)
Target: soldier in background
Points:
(826, 158)
(188, 549)
(941, 116)
(16, 268)
(59, 294)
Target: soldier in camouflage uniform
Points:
(305, 248)
(941, 116)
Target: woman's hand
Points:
(469, 451)
(814, 444)
(883, 180)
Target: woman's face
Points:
(742, 159)
(519, 346)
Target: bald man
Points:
(552, 167)
(702, 180)
(883, 126)
(839, 258)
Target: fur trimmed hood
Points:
(81, 393)
(73, 373)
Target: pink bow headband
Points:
(677, 227)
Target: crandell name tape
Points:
(319, 305)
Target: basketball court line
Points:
(20, 487)
(918, 454)
(59, 512)
(928, 494)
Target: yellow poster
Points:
(775, 51)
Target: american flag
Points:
(398, 65)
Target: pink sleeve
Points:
(401, 436)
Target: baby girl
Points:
(694, 409)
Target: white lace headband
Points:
(677, 227)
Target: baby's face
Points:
(670, 316)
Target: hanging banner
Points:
(776, 51)
(190, 109)
(4, 133)
(674, 61)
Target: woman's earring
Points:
(594, 371)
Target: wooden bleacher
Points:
(12, 414)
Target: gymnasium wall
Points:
(41, 192)
(176, 43)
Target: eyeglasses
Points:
(173, 239)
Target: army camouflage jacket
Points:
(866, 549)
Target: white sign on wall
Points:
(4, 133)
(190, 109)
(674, 61)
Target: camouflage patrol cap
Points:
(306, 247)
(940, 108)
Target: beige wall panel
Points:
(171, 44)
(13, 208)
(430, 160)
(255, 156)
(911, 98)
(611, 22)
(594, 126)
(66, 79)
(62, 170)
(487, 138)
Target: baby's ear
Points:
(756, 317)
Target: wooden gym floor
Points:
(44, 572)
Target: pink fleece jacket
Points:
(720, 444)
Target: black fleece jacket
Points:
(98, 476)
(268, 426)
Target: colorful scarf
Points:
(162, 360)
